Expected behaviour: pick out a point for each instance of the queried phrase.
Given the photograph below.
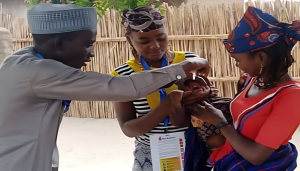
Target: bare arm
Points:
(284, 113)
(133, 126)
(252, 151)
(179, 117)
(215, 141)
(241, 83)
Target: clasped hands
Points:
(190, 95)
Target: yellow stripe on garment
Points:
(113, 72)
(154, 98)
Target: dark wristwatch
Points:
(222, 124)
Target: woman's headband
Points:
(258, 30)
(143, 19)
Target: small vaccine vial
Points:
(194, 76)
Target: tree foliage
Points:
(55, 1)
(103, 5)
(120, 5)
(85, 3)
(32, 2)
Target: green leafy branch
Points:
(103, 5)
(121, 5)
(32, 2)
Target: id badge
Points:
(167, 151)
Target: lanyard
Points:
(162, 92)
(64, 102)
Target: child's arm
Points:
(241, 83)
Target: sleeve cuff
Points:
(148, 82)
(176, 71)
(168, 85)
(264, 143)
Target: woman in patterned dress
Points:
(266, 113)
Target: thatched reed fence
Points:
(191, 27)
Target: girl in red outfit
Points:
(266, 113)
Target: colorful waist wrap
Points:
(283, 159)
(196, 152)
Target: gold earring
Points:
(261, 68)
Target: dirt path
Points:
(99, 145)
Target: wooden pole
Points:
(1, 14)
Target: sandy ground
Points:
(99, 145)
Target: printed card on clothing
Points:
(167, 151)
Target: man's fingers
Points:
(176, 94)
(195, 107)
(187, 93)
(177, 91)
(206, 104)
(191, 99)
